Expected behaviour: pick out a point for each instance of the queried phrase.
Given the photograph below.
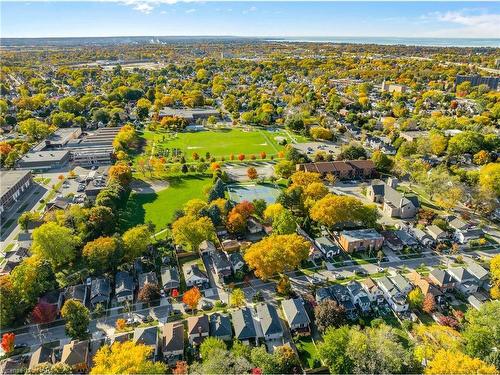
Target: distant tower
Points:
(385, 86)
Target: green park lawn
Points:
(160, 207)
(218, 142)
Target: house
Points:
(253, 225)
(269, 320)
(206, 247)
(465, 281)
(374, 293)
(100, 291)
(422, 237)
(76, 355)
(474, 302)
(124, 287)
(14, 184)
(53, 301)
(424, 284)
(194, 276)
(465, 236)
(442, 279)
(121, 336)
(198, 329)
(244, 325)
(43, 354)
(147, 278)
(170, 278)
(395, 204)
(147, 336)
(237, 261)
(222, 265)
(327, 247)
(436, 233)
(392, 241)
(230, 245)
(458, 225)
(359, 296)
(296, 315)
(341, 294)
(392, 295)
(401, 283)
(478, 272)
(220, 327)
(342, 170)
(405, 238)
(173, 342)
(77, 292)
(360, 239)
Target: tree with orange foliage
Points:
(231, 157)
(120, 324)
(192, 297)
(236, 222)
(241, 157)
(122, 173)
(8, 342)
(263, 155)
(214, 166)
(429, 304)
(181, 368)
(244, 208)
(252, 173)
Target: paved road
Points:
(301, 283)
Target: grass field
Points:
(160, 207)
(218, 142)
(307, 352)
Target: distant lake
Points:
(425, 42)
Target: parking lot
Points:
(310, 148)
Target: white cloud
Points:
(192, 10)
(468, 23)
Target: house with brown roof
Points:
(442, 279)
(424, 284)
(343, 170)
(76, 355)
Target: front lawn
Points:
(308, 354)
(159, 207)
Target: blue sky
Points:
(466, 19)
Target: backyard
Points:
(159, 207)
(308, 353)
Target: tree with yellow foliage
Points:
(276, 254)
(191, 231)
(430, 338)
(335, 209)
(495, 276)
(304, 179)
(125, 358)
(452, 362)
(272, 211)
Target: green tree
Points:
(333, 350)
(209, 345)
(10, 308)
(284, 168)
(416, 298)
(284, 223)
(192, 231)
(77, 319)
(55, 243)
(382, 162)
(238, 298)
(136, 241)
(102, 254)
(34, 129)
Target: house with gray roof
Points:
(194, 276)
(221, 263)
(237, 261)
(206, 247)
(124, 287)
(296, 315)
(77, 292)
(359, 296)
(467, 235)
(244, 325)
(480, 273)
(147, 278)
(394, 203)
(220, 327)
(269, 320)
(147, 336)
(436, 233)
(327, 247)
(466, 282)
(401, 283)
(422, 237)
(392, 294)
(170, 278)
(442, 279)
(198, 329)
(173, 342)
(100, 291)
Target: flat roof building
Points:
(12, 185)
(42, 160)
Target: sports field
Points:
(159, 207)
(218, 142)
(249, 192)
